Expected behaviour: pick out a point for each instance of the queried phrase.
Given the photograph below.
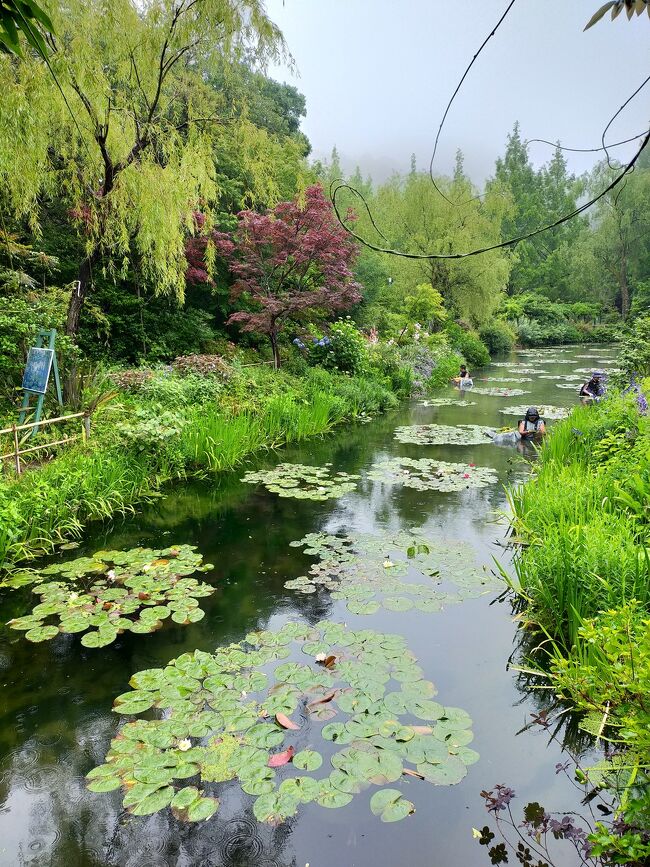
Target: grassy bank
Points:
(583, 579)
(168, 427)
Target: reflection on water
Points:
(55, 704)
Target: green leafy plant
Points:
(430, 475)
(302, 482)
(391, 571)
(113, 592)
(218, 717)
(442, 434)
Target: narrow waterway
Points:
(55, 704)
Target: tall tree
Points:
(128, 145)
(292, 264)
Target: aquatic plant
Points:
(500, 392)
(443, 434)
(515, 379)
(430, 475)
(546, 411)
(368, 572)
(525, 371)
(563, 377)
(303, 482)
(446, 401)
(219, 718)
(113, 592)
(575, 385)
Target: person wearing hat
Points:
(531, 425)
(594, 388)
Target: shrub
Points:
(635, 349)
(473, 349)
(498, 336)
(203, 365)
(447, 364)
(347, 349)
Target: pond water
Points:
(55, 704)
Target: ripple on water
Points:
(240, 842)
(45, 778)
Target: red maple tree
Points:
(292, 264)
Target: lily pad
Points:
(426, 474)
(546, 411)
(307, 760)
(114, 591)
(500, 392)
(390, 806)
(364, 568)
(303, 482)
(203, 725)
(443, 434)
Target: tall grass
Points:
(48, 505)
(583, 551)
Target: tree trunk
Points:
(78, 297)
(625, 289)
(273, 337)
(71, 393)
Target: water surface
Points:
(55, 704)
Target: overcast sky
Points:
(377, 75)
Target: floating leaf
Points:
(390, 806)
(426, 474)
(202, 809)
(307, 760)
(442, 434)
(112, 592)
(303, 482)
(279, 759)
(285, 722)
(208, 728)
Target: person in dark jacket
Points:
(531, 424)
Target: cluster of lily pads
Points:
(430, 475)
(113, 592)
(368, 572)
(443, 434)
(515, 379)
(303, 482)
(547, 411)
(446, 401)
(219, 718)
(500, 392)
(563, 377)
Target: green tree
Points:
(133, 158)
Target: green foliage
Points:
(303, 483)
(447, 365)
(165, 430)
(27, 19)
(583, 519)
(634, 358)
(469, 344)
(206, 709)
(113, 591)
(346, 352)
(498, 337)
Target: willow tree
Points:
(123, 131)
(414, 216)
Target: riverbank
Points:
(583, 582)
(161, 426)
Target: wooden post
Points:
(16, 449)
(86, 426)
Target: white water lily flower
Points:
(146, 567)
(320, 657)
(184, 745)
(388, 564)
(244, 693)
(111, 574)
(73, 596)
